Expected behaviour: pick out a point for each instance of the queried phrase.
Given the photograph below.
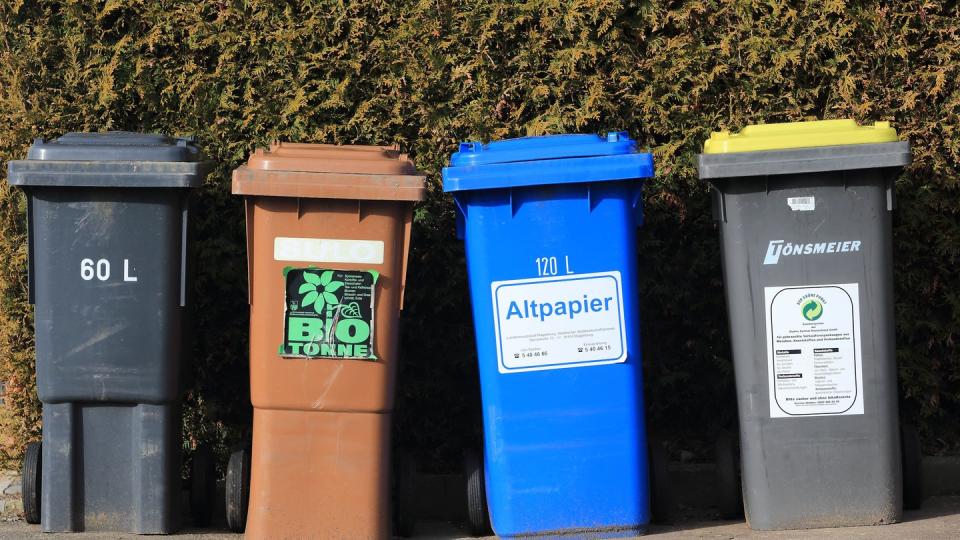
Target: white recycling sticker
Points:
(802, 204)
(328, 250)
(813, 350)
(559, 322)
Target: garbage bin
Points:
(804, 212)
(107, 217)
(549, 225)
(328, 233)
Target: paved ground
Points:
(939, 519)
(443, 498)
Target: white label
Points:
(127, 276)
(328, 250)
(559, 322)
(100, 269)
(780, 248)
(813, 350)
(802, 204)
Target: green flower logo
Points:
(812, 309)
(319, 290)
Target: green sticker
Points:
(329, 313)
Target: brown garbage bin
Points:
(328, 233)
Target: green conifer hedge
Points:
(428, 73)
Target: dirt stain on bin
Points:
(320, 458)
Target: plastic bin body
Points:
(107, 221)
(823, 453)
(321, 432)
(564, 441)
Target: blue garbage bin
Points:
(550, 228)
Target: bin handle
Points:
(31, 271)
(461, 218)
(718, 202)
(405, 253)
(637, 205)
(248, 218)
(892, 191)
(184, 215)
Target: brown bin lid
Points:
(328, 171)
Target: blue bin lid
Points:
(550, 159)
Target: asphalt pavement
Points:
(938, 519)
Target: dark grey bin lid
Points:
(111, 159)
(804, 160)
(114, 146)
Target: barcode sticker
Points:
(802, 204)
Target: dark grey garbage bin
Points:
(805, 223)
(107, 223)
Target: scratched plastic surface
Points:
(320, 462)
(108, 220)
(832, 464)
(565, 449)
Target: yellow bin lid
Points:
(795, 135)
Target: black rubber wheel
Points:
(30, 482)
(477, 511)
(203, 486)
(912, 467)
(729, 491)
(405, 493)
(237, 490)
(661, 489)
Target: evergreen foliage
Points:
(426, 74)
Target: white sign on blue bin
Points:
(559, 322)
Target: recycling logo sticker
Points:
(329, 313)
(812, 309)
(814, 359)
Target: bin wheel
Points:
(30, 482)
(477, 510)
(912, 467)
(237, 489)
(203, 485)
(729, 491)
(405, 518)
(661, 490)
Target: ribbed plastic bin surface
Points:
(328, 237)
(805, 230)
(550, 229)
(108, 221)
